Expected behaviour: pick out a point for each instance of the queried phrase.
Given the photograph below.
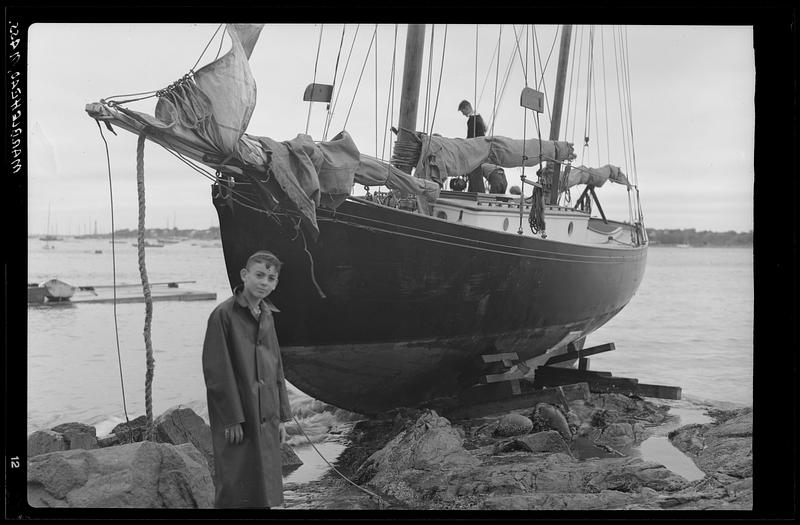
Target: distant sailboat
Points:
(48, 237)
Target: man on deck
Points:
(475, 128)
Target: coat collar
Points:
(241, 301)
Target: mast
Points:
(558, 101)
(409, 98)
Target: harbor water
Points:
(690, 325)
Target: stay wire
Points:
(333, 86)
(390, 103)
(341, 81)
(114, 272)
(438, 87)
(205, 48)
(496, 75)
(314, 81)
(360, 76)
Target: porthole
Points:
(441, 215)
(569, 229)
(505, 224)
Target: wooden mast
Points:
(409, 95)
(558, 101)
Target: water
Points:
(690, 325)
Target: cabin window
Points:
(505, 224)
(569, 229)
(442, 215)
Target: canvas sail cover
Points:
(443, 157)
(595, 176)
(204, 116)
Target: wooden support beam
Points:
(551, 376)
(597, 201)
(586, 352)
(485, 403)
(491, 358)
(658, 391)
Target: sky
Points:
(691, 105)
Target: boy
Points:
(247, 398)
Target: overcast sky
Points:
(692, 92)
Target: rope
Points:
(376, 91)
(205, 48)
(311, 262)
(496, 75)
(358, 84)
(438, 89)
(475, 86)
(314, 81)
(148, 300)
(390, 102)
(335, 72)
(344, 72)
(114, 272)
(380, 501)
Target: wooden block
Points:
(658, 391)
(568, 356)
(508, 376)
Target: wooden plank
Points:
(586, 352)
(497, 405)
(596, 383)
(658, 391)
(491, 358)
(507, 376)
(556, 371)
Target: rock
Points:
(131, 431)
(620, 435)
(722, 448)
(289, 458)
(547, 441)
(513, 425)
(136, 475)
(44, 441)
(180, 425)
(77, 435)
(605, 500)
(554, 419)
(431, 444)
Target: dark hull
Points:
(411, 300)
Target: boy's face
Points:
(259, 280)
(466, 111)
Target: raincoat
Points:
(244, 379)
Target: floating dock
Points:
(127, 293)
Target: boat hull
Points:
(410, 301)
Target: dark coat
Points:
(244, 379)
(475, 126)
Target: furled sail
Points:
(595, 176)
(205, 114)
(443, 157)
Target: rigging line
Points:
(380, 501)
(376, 92)
(205, 48)
(587, 124)
(358, 84)
(578, 80)
(390, 102)
(630, 106)
(475, 76)
(333, 85)
(428, 81)
(219, 50)
(314, 81)
(605, 95)
(519, 54)
(496, 74)
(544, 67)
(114, 272)
(621, 106)
(506, 76)
(438, 88)
(495, 54)
(341, 80)
(572, 61)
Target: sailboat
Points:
(48, 236)
(387, 299)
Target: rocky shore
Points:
(570, 456)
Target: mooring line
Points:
(380, 500)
